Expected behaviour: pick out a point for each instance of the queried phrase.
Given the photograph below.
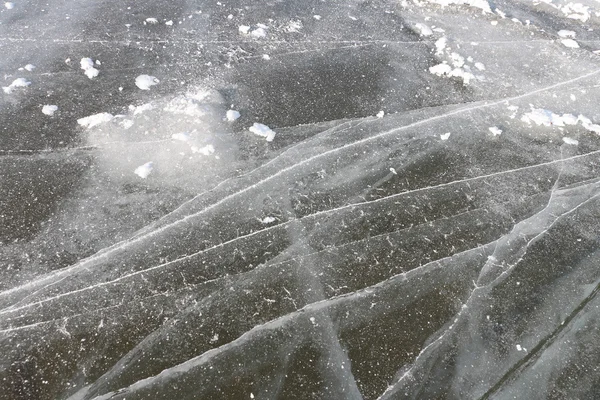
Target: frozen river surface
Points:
(286, 199)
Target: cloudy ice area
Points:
(345, 199)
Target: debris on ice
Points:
(495, 130)
(445, 136)
(144, 82)
(262, 130)
(49, 109)
(232, 115)
(17, 83)
(143, 171)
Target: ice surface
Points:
(424, 223)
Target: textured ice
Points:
(403, 236)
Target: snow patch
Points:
(566, 34)
(481, 4)
(206, 150)
(232, 115)
(87, 65)
(49, 109)
(262, 130)
(182, 136)
(495, 130)
(380, 114)
(145, 82)
(143, 171)
(570, 43)
(96, 119)
(17, 83)
(570, 141)
(445, 136)
(9, 6)
(423, 29)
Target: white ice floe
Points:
(570, 141)
(570, 43)
(49, 109)
(87, 65)
(28, 67)
(423, 29)
(96, 119)
(262, 130)
(540, 116)
(17, 83)
(232, 115)
(495, 130)
(445, 136)
(566, 34)
(181, 136)
(206, 150)
(145, 82)
(482, 4)
(143, 171)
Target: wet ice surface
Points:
(299, 200)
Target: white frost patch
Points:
(182, 136)
(28, 67)
(440, 45)
(232, 115)
(145, 82)
(96, 119)
(206, 150)
(482, 4)
(566, 34)
(268, 220)
(570, 43)
(293, 26)
(17, 83)
(445, 136)
(544, 117)
(495, 130)
(87, 65)
(259, 33)
(262, 130)
(423, 29)
(143, 171)
(571, 141)
(440, 69)
(9, 6)
(49, 109)
(380, 114)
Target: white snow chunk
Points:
(495, 130)
(86, 63)
(91, 73)
(206, 150)
(380, 114)
(457, 60)
(266, 57)
(126, 123)
(293, 26)
(232, 115)
(9, 6)
(566, 34)
(482, 4)
(49, 109)
(494, 23)
(519, 348)
(17, 83)
(169, 23)
(571, 141)
(182, 136)
(144, 82)
(259, 33)
(445, 136)
(140, 109)
(244, 29)
(96, 119)
(268, 220)
(262, 130)
(393, 171)
(152, 21)
(570, 43)
(480, 66)
(143, 171)
(423, 29)
(440, 69)
(317, 17)
(440, 45)
(29, 67)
